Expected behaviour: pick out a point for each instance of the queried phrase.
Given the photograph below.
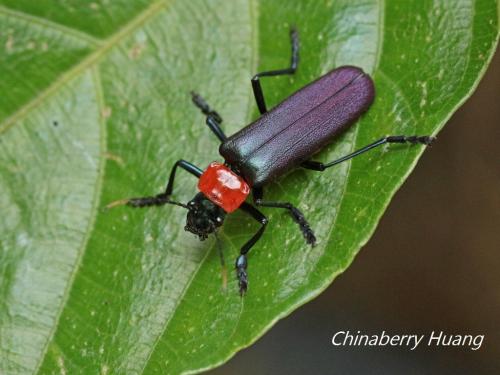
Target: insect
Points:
(283, 138)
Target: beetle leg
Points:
(318, 166)
(242, 262)
(257, 88)
(297, 215)
(163, 198)
(213, 118)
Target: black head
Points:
(203, 217)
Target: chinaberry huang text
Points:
(435, 338)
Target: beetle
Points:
(281, 139)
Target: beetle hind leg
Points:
(413, 140)
(294, 63)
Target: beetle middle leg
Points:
(213, 118)
(257, 88)
(162, 198)
(414, 139)
(297, 215)
(242, 262)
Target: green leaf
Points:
(95, 107)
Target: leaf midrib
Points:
(254, 16)
(87, 62)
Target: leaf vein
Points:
(78, 34)
(86, 63)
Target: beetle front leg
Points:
(242, 261)
(162, 198)
(297, 215)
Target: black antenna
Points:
(222, 262)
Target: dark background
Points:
(433, 264)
